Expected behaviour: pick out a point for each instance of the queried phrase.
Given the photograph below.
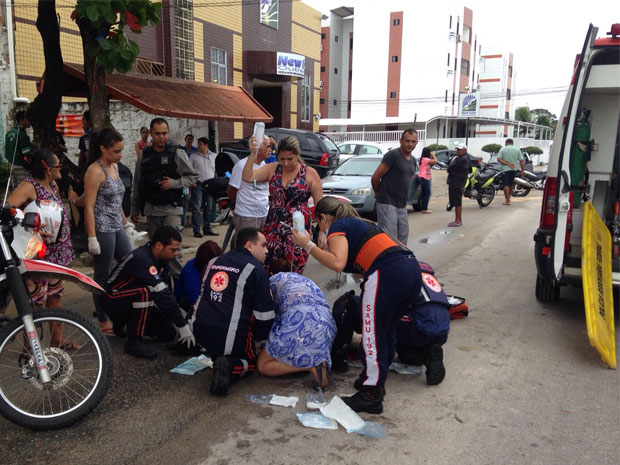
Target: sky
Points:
(543, 35)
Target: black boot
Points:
(369, 400)
(410, 356)
(360, 387)
(137, 348)
(222, 374)
(433, 361)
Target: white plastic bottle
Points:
(298, 221)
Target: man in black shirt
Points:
(391, 183)
(235, 309)
(457, 177)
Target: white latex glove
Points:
(186, 336)
(93, 246)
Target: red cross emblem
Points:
(219, 281)
(431, 282)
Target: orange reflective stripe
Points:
(371, 250)
(336, 234)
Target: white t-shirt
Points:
(252, 201)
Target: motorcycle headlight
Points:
(361, 191)
(35, 248)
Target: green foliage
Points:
(523, 114)
(533, 150)
(491, 148)
(436, 147)
(114, 49)
(4, 173)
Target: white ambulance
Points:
(584, 166)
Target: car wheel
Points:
(546, 291)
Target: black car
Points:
(317, 150)
(444, 157)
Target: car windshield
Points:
(328, 143)
(358, 166)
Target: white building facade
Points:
(495, 86)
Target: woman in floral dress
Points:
(291, 184)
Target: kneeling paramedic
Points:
(139, 296)
(235, 309)
(391, 282)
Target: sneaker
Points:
(139, 349)
(197, 234)
(433, 361)
(222, 374)
(365, 401)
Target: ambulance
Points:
(583, 170)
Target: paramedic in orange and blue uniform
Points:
(391, 283)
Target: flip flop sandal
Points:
(454, 225)
(108, 331)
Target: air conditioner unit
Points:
(321, 84)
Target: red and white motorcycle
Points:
(55, 365)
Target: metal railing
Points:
(371, 136)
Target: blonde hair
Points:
(332, 206)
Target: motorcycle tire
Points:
(486, 196)
(519, 191)
(80, 367)
(227, 237)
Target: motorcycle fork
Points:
(24, 310)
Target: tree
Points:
(491, 148)
(544, 117)
(533, 150)
(106, 46)
(437, 147)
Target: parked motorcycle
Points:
(480, 186)
(55, 365)
(523, 185)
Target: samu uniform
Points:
(138, 296)
(234, 309)
(391, 282)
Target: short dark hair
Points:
(165, 235)
(245, 235)
(86, 115)
(188, 135)
(203, 140)
(158, 120)
(411, 131)
(205, 253)
(509, 141)
(20, 115)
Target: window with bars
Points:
(149, 67)
(219, 69)
(305, 98)
(464, 66)
(184, 38)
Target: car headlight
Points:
(361, 191)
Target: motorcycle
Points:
(480, 186)
(523, 185)
(55, 365)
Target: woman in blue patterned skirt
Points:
(303, 332)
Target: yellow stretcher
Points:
(597, 287)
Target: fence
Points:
(371, 136)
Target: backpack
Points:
(458, 307)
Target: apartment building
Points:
(495, 86)
(397, 62)
(271, 49)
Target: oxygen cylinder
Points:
(579, 152)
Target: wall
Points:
(127, 120)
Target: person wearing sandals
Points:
(44, 168)
(103, 212)
(392, 280)
(423, 178)
(303, 331)
(458, 170)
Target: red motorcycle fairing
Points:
(39, 269)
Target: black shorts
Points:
(508, 178)
(455, 196)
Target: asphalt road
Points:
(523, 385)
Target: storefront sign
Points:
(269, 13)
(469, 104)
(69, 125)
(291, 64)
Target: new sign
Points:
(291, 64)
(469, 104)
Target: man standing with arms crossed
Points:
(508, 156)
(161, 174)
(391, 183)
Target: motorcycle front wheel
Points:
(519, 191)
(486, 196)
(79, 360)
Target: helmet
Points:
(51, 214)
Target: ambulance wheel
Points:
(546, 291)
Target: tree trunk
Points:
(45, 107)
(98, 99)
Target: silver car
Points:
(352, 180)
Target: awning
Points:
(177, 98)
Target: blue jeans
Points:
(114, 246)
(185, 205)
(425, 195)
(200, 199)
